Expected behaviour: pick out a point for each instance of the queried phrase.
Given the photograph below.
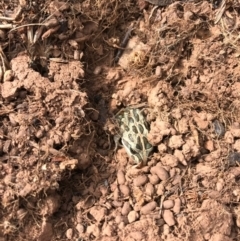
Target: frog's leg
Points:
(116, 139)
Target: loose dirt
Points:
(67, 68)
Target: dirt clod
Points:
(140, 180)
(168, 218)
(69, 233)
(160, 172)
(177, 206)
(120, 177)
(168, 204)
(148, 207)
(132, 216)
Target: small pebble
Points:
(177, 205)
(158, 71)
(140, 180)
(126, 208)
(117, 204)
(154, 179)
(97, 70)
(133, 216)
(39, 133)
(120, 177)
(80, 228)
(168, 204)
(160, 172)
(148, 207)
(124, 190)
(76, 54)
(69, 233)
(168, 218)
(149, 189)
(166, 229)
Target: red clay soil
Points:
(68, 68)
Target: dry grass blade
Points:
(220, 11)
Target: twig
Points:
(26, 25)
(4, 60)
(7, 26)
(123, 44)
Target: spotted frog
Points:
(133, 134)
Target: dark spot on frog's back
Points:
(139, 145)
(130, 120)
(146, 125)
(141, 129)
(134, 129)
(136, 116)
(135, 154)
(146, 143)
(219, 128)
